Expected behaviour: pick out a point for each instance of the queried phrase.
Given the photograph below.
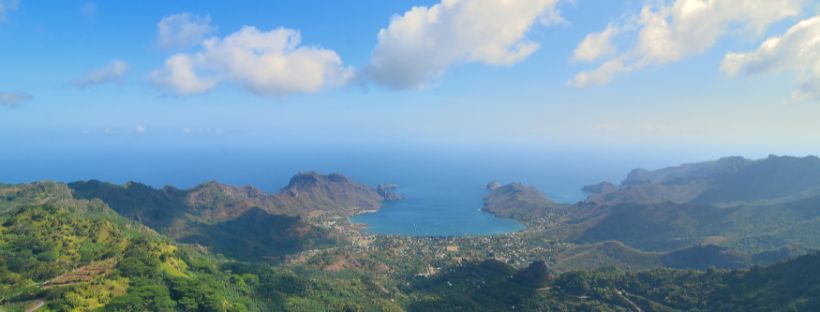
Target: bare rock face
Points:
(388, 192)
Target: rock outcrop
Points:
(389, 193)
(518, 201)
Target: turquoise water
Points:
(444, 189)
(437, 210)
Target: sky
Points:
(734, 76)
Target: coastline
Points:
(364, 212)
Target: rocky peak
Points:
(309, 191)
(492, 186)
(338, 178)
(388, 192)
(600, 188)
(519, 190)
(518, 201)
(136, 186)
(636, 177)
(311, 179)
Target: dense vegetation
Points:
(78, 255)
(242, 223)
(753, 207)
(494, 286)
(94, 246)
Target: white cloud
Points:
(183, 30)
(111, 72)
(180, 77)
(423, 42)
(12, 99)
(262, 62)
(596, 45)
(667, 33)
(603, 74)
(7, 6)
(139, 129)
(797, 50)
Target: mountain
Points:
(60, 253)
(615, 254)
(756, 206)
(493, 185)
(727, 180)
(311, 191)
(726, 213)
(600, 188)
(793, 285)
(490, 285)
(388, 192)
(70, 254)
(157, 209)
(518, 201)
(771, 178)
(257, 234)
(606, 254)
(242, 222)
(79, 247)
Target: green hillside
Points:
(240, 222)
(96, 246)
(79, 255)
(493, 286)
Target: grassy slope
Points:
(224, 218)
(79, 255)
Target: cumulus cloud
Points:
(263, 62)
(5, 7)
(183, 30)
(797, 50)
(179, 76)
(596, 45)
(424, 41)
(11, 99)
(667, 32)
(111, 72)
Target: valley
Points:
(679, 238)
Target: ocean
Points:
(443, 188)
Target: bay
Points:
(443, 188)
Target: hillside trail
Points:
(628, 301)
(36, 305)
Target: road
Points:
(623, 296)
(36, 305)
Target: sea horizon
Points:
(443, 188)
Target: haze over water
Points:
(444, 189)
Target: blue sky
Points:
(93, 75)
